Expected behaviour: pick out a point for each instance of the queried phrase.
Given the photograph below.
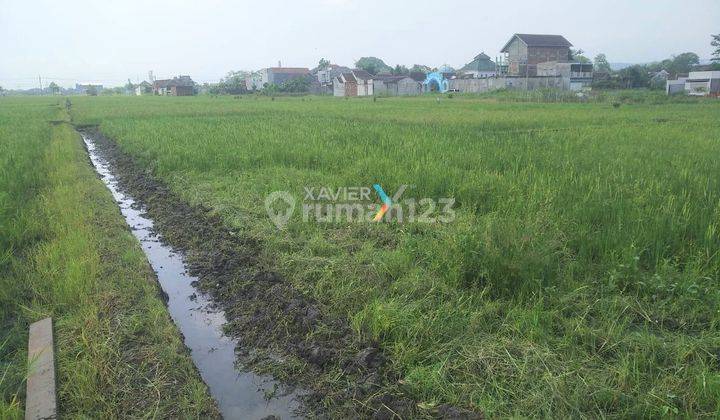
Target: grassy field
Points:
(580, 276)
(66, 252)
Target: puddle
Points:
(240, 395)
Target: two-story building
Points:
(523, 52)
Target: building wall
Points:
(697, 88)
(382, 88)
(675, 86)
(338, 88)
(495, 83)
(519, 54)
(263, 78)
(351, 89)
(402, 87)
(704, 75)
(715, 86)
(182, 90)
(572, 80)
(364, 88)
(542, 54)
(408, 87)
(324, 76)
(479, 74)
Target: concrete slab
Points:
(41, 400)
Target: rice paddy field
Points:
(66, 253)
(578, 278)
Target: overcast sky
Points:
(108, 42)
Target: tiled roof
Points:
(362, 74)
(537, 40)
(389, 78)
(349, 77)
(177, 81)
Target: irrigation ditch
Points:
(238, 316)
(239, 394)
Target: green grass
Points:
(580, 277)
(624, 96)
(67, 253)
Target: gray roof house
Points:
(481, 66)
(525, 51)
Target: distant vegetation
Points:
(373, 65)
(646, 75)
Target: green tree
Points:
(634, 76)
(373, 65)
(716, 43)
(323, 64)
(601, 64)
(2, 91)
(54, 88)
(577, 55)
(420, 68)
(233, 83)
(400, 70)
(296, 85)
(682, 63)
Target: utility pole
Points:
(41, 86)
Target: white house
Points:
(698, 83)
(354, 83)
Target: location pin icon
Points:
(280, 206)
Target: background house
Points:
(325, 76)
(178, 86)
(525, 51)
(481, 66)
(354, 83)
(697, 83)
(674, 87)
(275, 75)
(703, 83)
(143, 88)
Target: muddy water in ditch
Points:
(240, 395)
